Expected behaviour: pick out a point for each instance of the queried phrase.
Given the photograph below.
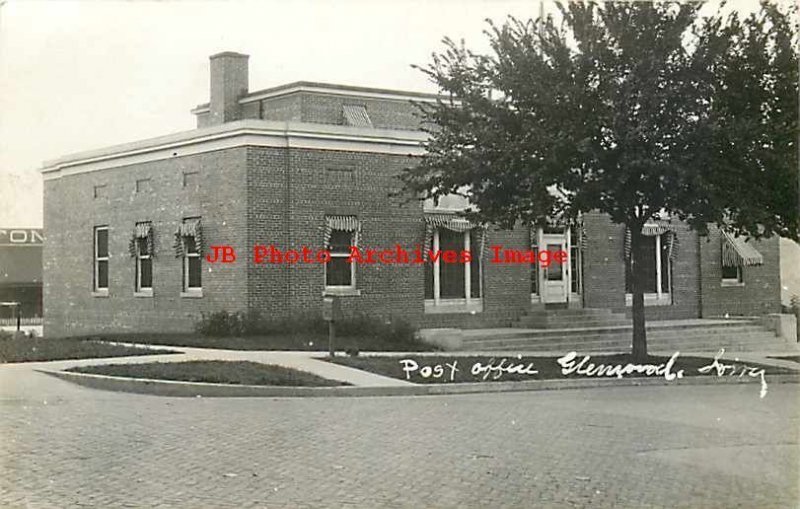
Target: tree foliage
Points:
(633, 109)
(628, 108)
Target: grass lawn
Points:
(547, 367)
(40, 349)
(222, 372)
(299, 342)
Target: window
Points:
(732, 275)
(576, 268)
(100, 191)
(143, 186)
(192, 257)
(459, 284)
(657, 273)
(338, 272)
(101, 259)
(144, 259)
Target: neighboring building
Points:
(311, 164)
(21, 272)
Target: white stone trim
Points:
(258, 133)
(392, 96)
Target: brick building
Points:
(314, 165)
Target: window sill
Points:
(731, 282)
(192, 294)
(651, 299)
(143, 293)
(474, 306)
(341, 292)
(100, 293)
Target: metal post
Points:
(19, 316)
(331, 336)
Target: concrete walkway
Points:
(311, 362)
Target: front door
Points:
(555, 278)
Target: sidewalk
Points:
(313, 362)
(305, 361)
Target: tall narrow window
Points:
(453, 281)
(143, 254)
(338, 272)
(341, 232)
(534, 233)
(657, 271)
(576, 268)
(191, 244)
(101, 259)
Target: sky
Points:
(79, 75)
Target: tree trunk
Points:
(639, 351)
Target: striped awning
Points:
(356, 115)
(449, 222)
(737, 252)
(343, 223)
(655, 230)
(143, 230)
(189, 228)
(452, 223)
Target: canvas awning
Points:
(655, 230)
(452, 223)
(343, 223)
(737, 252)
(188, 228)
(142, 230)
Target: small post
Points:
(331, 312)
(19, 316)
(331, 336)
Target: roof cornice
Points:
(260, 133)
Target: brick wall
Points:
(760, 293)
(604, 271)
(289, 209)
(71, 212)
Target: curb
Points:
(212, 390)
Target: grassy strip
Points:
(299, 342)
(547, 367)
(40, 349)
(221, 372)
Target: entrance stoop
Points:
(603, 331)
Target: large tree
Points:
(633, 109)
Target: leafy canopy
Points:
(629, 108)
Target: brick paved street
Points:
(695, 446)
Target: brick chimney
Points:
(228, 85)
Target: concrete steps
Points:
(674, 335)
(572, 318)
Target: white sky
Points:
(77, 75)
